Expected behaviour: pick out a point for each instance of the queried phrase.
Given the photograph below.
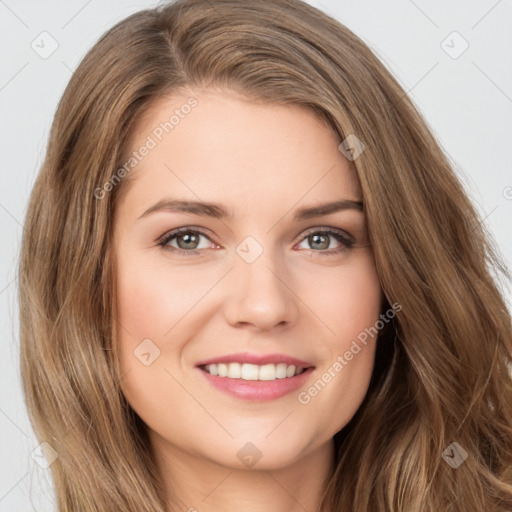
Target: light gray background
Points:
(467, 102)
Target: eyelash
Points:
(338, 234)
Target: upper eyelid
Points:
(175, 232)
(313, 229)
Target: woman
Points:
(250, 278)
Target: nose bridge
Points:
(259, 294)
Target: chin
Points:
(259, 453)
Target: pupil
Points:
(189, 237)
(314, 239)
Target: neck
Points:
(197, 484)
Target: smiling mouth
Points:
(254, 372)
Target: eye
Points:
(320, 239)
(187, 240)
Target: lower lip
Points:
(257, 390)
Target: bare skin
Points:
(263, 162)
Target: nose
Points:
(260, 295)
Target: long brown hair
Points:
(442, 368)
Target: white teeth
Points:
(234, 370)
(248, 371)
(267, 372)
(281, 370)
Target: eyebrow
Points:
(219, 211)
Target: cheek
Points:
(362, 306)
(350, 306)
(346, 300)
(151, 300)
(153, 297)
(362, 299)
(159, 310)
(147, 309)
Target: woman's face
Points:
(261, 274)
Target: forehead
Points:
(229, 148)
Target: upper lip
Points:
(258, 359)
